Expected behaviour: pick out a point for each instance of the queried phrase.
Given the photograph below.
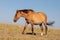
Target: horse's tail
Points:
(50, 23)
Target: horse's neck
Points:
(25, 16)
(28, 15)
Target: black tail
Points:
(50, 23)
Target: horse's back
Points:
(39, 17)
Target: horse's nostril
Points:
(14, 20)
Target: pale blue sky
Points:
(50, 7)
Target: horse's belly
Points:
(37, 19)
(37, 22)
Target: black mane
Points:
(26, 10)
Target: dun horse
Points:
(33, 18)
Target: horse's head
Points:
(17, 15)
(22, 13)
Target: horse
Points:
(33, 18)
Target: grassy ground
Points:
(13, 32)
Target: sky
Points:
(50, 7)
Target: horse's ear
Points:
(16, 11)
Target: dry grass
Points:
(13, 32)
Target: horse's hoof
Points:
(33, 33)
(42, 34)
(45, 33)
(22, 32)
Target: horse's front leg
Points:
(25, 27)
(32, 29)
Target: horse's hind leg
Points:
(45, 30)
(24, 28)
(41, 29)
